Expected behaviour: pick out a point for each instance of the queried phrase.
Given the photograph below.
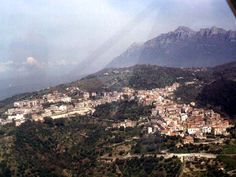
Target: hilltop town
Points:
(168, 117)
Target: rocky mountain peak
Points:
(183, 29)
(181, 33)
(183, 47)
(216, 30)
(211, 31)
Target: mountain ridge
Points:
(182, 47)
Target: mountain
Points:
(183, 47)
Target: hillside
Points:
(227, 71)
(138, 77)
(182, 48)
(220, 93)
(218, 89)
(209, 84)
(96, 145)
(74, 147)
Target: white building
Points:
(66, 99)
(193, 131)
(86, 95)
(16, 117)
(63, 108)
(150, 130)
(184, 117)
(206, 129)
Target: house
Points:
(16, 117)
(193, 130)
(218, 130)
(66, 99)
(4, 122)
(86, 95)
(37, 117)
(125, 124)
(188, 140)
(130, 123)
(19, 122)
(184, 117)
(206, 129)
(179, 145)
(193, 104)
(150, 130)
(63, 108)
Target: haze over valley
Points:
(43, 47)
(182, 47)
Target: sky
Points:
(52, 37)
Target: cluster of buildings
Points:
(172, 119)
(58, 105)
(175, 119)
(22, 110)
(181, 119)
(168, 116)
(54, 105)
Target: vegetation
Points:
(138, 77)
(155, 144)
(188, 93)
(150, 166)
(220, 93)
(191, 148)
(202, 167)
(150, 76)
(229, 162)
(230, 147)
(53, 147)
(122, 110)
(72, 147)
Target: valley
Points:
(141, 113)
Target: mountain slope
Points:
(138, 77)
(216, 90)
(220, 93)
(212, 86)
(183, 48)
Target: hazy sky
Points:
(52, 36)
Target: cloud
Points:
(5, 66)
(32, 61)
(39, 28)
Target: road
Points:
(166, 156)
(180, 155)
